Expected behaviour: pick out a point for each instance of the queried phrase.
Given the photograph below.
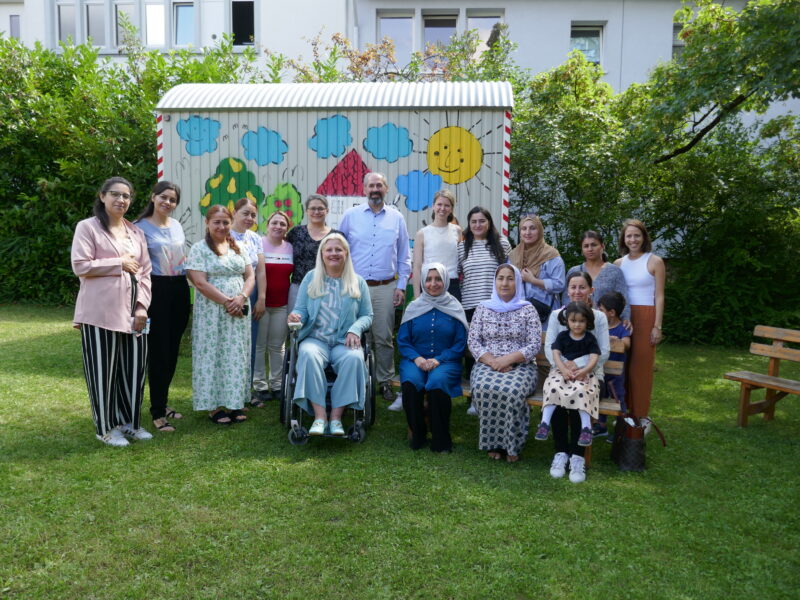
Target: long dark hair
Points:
(492, 237)
(99, 209)
(593, 235)
(159, 188)
(212, 210)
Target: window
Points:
(484, 24)
(95, 24)
(677, 42)
(184, 23)
(587, 39)
(438, 29)
(243, 23)
(13, 27)
(121, 11)
(400, 29)
(66, 22)
(154, 24)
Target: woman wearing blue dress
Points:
(431, 341)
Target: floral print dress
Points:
(220, 342)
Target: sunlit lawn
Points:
(237, 512)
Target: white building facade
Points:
(626, 37)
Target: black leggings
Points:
(169, 315)
(566, 427)
(439, 406)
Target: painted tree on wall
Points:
(230, 182)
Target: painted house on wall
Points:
(278, 143)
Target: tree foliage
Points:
(732, 62)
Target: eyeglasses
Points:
(316, 209)
(117, 195)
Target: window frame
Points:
(584, 26)
(381, 14)
(256, 13)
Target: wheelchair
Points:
(293, 416)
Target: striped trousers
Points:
(114, 364)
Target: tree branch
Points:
(723, 111)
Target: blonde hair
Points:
(350, 287)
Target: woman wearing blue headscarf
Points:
(431, 340)
(504, 337)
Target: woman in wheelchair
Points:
(431, 340)
(334, 307)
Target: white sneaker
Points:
(559, 465)
(472, 411)
(577, 469)
(317, 427)
(336, 427)
(135, 434)
(111, 439)
(397, 405)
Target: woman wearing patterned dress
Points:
(170, 306)
(431, 342)
(334, 307)
(505, 335)
(224, 278)
(244, 217)
(305, 241)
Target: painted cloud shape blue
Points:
(199, 133)
(331, 136)
(389, 142)
(418, 187)
(264, 146)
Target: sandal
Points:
(494, 455)
(237, 416)
(173, 414)
(218, 416)
(512, 458)
(165, 426)
(257, 402)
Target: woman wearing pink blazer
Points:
(109, 255)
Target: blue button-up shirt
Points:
(378, 243)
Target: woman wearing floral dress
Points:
(224, 278)
(504, 336)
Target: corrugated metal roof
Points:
(269, 96)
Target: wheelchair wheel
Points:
(372, 388)
(288, 382)
(356, 433)
(298, 436)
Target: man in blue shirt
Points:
(379, 249)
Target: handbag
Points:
(628, 445)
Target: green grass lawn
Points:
(237, 512)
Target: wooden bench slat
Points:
(760, 380)
(777, 333)
(772, 351)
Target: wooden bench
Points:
(607, 407)
(776, 387)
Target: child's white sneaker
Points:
(577, 469)
(559, 465)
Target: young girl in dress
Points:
(572, 383)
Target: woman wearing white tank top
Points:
(438, 242)
(644, 274)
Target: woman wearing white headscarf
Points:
(504, 336)
(431, 340)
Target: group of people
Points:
(481, 310)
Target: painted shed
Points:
(278, 143)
